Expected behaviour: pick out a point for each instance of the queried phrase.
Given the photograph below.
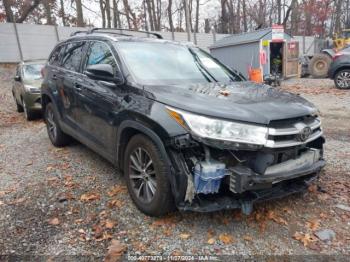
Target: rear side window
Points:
(99, 53)
(56, 56)
(72, 56)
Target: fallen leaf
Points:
(226, 238)
(272, 216)
(116, 190)
(312, 188)
(98, 231)
(54, 221)
(224, 92)
(89, 197)
(211, 241)
(29, 163)
(247, 238)
(18, 201)
(185, 236)
(306, 239)
(313, 224)
(115, 251)
(1, 203)
(110, 224)
(65, 196)
(167, 231)
(165, 221)
(210, 233)
(49, 168)
(115, 203)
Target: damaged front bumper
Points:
(251, 175)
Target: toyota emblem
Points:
(304, 134)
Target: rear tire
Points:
(342, 79)
(319, 65)
(146, 174)
(57, 137)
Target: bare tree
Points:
(80, 18)
(62, 12)
(48, 12)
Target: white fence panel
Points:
(9, 51)
(36, 42)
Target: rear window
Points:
(56, 56)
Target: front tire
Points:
(342, 79)
(28, 114)
(18, 106)
(146, 174)
(57, 137)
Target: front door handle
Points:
(77, 86)
(54, 77)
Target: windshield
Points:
(160, 63)
(32, 72)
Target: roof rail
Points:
(122, 29)
(96, 29)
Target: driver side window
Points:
(99, 53)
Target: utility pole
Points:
(187, 17)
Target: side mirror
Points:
(17, 78)
(103, 72)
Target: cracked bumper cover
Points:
(251, 187)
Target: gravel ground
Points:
(71, 202)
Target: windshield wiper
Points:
(201, 66)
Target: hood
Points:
(241, 101)
(34, 83)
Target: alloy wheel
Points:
(51, 124)
(343, 79)
(142, 175)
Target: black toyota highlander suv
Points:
(185, 130)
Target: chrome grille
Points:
(292, 133)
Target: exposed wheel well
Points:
(124, 139)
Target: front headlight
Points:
(212, 128)
(31, 89)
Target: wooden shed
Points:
(259, 49)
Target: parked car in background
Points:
(26, 87)
(185, 130)
(339, 69)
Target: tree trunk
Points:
(80, 18)
(150, 16)
(337, 24)
(244, 11)
(48, 12)
(63, 14)
(8, 11)
(103, 14)
(196, 25)
(27, 11)
(206, 26)
(170, 15)
(108, 14)
(290, 8)
(279, 12)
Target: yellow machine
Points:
(319, 63)
(339, 42)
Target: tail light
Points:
(337, 55)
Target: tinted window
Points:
(56, 56)
(73, 54)
(99, 53)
